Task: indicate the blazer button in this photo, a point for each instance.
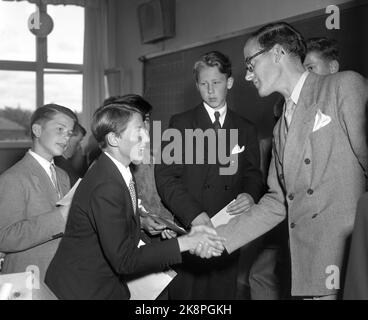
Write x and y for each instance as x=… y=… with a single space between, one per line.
x=292 y=225
x=227 y=187
x=310 y=191
x=291 y=196
x=307 y=161
x=281 y=176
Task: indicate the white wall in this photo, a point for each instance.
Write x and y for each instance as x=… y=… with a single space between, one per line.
x=196 y=21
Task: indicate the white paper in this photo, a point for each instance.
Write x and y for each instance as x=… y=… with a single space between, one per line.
x=67 y=199
x=222 y=217
x=150 y=286
x=16 y=286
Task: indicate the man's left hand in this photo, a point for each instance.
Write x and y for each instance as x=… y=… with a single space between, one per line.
x=243 y=202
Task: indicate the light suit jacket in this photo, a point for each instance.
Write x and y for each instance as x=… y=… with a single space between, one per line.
x=29 y=225
x=315 y=180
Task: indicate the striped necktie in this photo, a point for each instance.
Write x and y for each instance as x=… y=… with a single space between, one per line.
x=132 y=194
x=54 y=180
x=289 y=111
x=216 y=123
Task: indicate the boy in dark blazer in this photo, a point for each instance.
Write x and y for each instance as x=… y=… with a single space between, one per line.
x=99 y=249
x=30 y=223
x=196 y=192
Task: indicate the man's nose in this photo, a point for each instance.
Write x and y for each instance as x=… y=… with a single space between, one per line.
x=249 y=76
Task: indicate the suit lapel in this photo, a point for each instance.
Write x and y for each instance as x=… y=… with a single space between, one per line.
x=112 y=172
x=229 y=123
x=202 y=121
x=41 y=178
x=300 y=129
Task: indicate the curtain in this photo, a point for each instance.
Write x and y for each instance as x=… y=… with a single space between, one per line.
x=99 y=56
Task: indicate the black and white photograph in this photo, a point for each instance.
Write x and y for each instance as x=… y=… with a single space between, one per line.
x=183 y=155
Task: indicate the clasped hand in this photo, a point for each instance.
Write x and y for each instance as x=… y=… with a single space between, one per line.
x=207 y=243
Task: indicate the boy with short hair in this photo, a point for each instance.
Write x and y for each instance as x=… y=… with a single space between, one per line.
x=30 y=223
x=100 y=247
x=322 y=56
x=195 y=192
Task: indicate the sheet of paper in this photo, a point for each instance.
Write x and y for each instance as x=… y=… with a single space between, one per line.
x=222 y=217
x=150 y=286
x=16 y=286
x=67 y=200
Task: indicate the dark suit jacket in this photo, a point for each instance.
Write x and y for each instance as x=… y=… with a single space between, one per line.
x=189 y=189
x=99 y=248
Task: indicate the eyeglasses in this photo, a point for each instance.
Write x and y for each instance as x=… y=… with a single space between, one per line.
x=248 y=61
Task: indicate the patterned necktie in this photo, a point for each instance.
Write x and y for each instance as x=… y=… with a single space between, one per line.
x=54 y=180
x=132 y=194
x=216 y=123
x=289 y=111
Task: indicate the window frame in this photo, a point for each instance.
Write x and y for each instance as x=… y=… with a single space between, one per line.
x=41 y=67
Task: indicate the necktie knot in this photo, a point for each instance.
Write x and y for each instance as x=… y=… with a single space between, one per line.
x=217 y=124
x=54 y=179
x=289 y=110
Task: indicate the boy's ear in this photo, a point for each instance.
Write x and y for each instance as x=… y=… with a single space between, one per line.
x=334 y=66
x=36 y=130
x=111 y=139
x=230 y=82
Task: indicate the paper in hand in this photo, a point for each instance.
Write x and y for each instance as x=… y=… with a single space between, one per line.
x=169 y=224
x=150 y=286
x=67 y=199
x=222 y=217
x=160 y=220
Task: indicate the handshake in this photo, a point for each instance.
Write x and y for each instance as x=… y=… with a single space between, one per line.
x=202 y=241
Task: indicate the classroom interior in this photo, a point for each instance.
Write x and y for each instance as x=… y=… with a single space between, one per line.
x=115 y=58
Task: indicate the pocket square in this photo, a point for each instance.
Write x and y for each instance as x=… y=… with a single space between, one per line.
x=237 y=149
x=321 y=120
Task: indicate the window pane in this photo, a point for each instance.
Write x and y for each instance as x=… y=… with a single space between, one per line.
x=65 y=42
x=17 y=102
x=64 y=89
x=17 y=42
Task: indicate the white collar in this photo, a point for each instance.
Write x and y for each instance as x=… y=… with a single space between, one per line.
x=125 y=171
x=45 y=164
x=298 y=87
x=211 y=112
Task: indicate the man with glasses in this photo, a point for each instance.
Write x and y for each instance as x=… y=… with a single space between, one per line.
x=319 y=156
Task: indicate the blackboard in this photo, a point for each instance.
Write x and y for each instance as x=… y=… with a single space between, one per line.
x=169 y=85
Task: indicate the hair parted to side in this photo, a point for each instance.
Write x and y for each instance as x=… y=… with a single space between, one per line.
x=283 y=34
x=138 y=101
x=113 y=117
x=213 y=59
x=47 y=113
x=78 y=128
x=327 y=48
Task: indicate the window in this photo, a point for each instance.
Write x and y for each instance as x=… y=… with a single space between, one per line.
x=35 y=71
